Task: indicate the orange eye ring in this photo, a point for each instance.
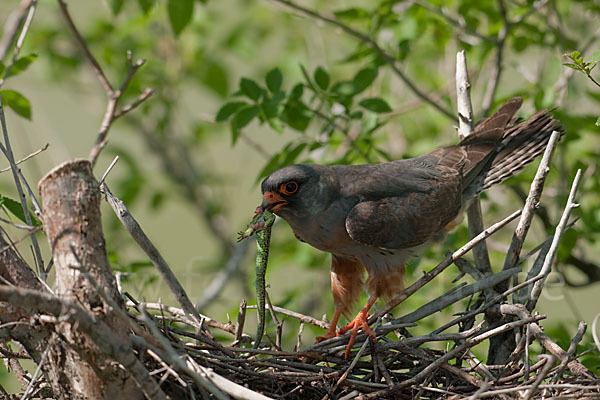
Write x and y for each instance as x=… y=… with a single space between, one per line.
x=288 y=188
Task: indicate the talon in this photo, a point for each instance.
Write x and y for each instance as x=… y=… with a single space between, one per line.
x=359 y=322
x=331 y=333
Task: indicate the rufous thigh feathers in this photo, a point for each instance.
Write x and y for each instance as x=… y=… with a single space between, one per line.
x=346 y=283
x=386 y=283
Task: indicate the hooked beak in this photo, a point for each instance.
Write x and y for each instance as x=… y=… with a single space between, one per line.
x=272 y=202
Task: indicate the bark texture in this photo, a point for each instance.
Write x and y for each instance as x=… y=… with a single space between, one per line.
x=71 y=206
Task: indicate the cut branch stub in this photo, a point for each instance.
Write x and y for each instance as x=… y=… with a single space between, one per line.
x=71 y=206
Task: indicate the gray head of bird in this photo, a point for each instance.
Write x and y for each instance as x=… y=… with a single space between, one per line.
x=299 y=191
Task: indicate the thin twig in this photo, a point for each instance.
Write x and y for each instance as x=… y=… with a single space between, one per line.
x=560 y=228
x=35 y=153
x=465 y=128
x=8 y=153
x=531 y=203
x=136 y=232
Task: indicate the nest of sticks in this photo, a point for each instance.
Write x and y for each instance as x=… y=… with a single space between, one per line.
x=396 y=365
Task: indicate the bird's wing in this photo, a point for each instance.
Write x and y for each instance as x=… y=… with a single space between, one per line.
x=408 y=217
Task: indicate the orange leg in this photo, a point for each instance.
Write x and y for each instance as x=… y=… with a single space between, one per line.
x=332 y=331
x=360 y=321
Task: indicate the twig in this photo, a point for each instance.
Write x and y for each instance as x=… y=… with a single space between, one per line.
x=372 y=44
x=113 y=95
x=8 y=153
x=595 y=331
x=171 y=356
x=239 y=326
x=136 y=232
x=453 y=296
x=520 y=311
x=560 y=228
x=465 y=127
x=350 y=368
x=11 y=27
x=540 y=377
x=181 y=313
x=571 y=351
x=531 y=203
x=35 y=153
x=19 y=44
x=110 y=167
x=34 y=379
x=304 y=318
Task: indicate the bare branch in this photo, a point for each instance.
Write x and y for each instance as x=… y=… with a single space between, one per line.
x=136 y=232
x=560 y=229
x=8 y=153
x=531 y=203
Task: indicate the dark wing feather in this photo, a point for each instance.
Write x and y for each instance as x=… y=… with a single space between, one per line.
x=409 y=218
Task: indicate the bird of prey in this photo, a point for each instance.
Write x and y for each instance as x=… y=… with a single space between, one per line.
x=373 y=217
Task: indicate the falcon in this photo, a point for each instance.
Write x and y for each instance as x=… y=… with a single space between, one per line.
x=373 y=217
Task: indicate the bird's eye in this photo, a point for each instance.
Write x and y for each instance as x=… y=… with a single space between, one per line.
x=288 y=188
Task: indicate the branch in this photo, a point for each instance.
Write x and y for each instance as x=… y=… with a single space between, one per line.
x=8 y=153
x=531 y=204
x=113 y=95
x=560 y=228
x=465 y=113
x=372 y=44
x=136 y=232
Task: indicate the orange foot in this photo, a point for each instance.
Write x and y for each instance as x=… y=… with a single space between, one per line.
x=360 y=321
x=332 y=331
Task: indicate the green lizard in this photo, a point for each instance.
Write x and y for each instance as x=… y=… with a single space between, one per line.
x=261 y=225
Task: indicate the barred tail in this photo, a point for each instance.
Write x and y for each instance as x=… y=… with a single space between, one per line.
x=521 y=145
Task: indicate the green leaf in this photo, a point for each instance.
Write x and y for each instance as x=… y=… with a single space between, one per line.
x=352 y=13
x=116 y=6
x=598 y=122
x=297 y=115
x=180 y=14
x=364 y=78
x=146 y=5
x=228 y=109
x=2 y=68
x=17 y=102
x=250 y=89
x=241 y=119
x=14 y=207
x=21 y=64
x=375 y=104
x=322 y=78
x=575 y=67
x=296 y=92
x=273 y=80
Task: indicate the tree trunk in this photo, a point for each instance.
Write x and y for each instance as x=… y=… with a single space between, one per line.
x=71 y=206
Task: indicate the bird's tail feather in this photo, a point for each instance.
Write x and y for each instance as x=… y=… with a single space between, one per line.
x=521 y=145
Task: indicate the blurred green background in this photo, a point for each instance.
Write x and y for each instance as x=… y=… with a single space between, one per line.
x=310 y=92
